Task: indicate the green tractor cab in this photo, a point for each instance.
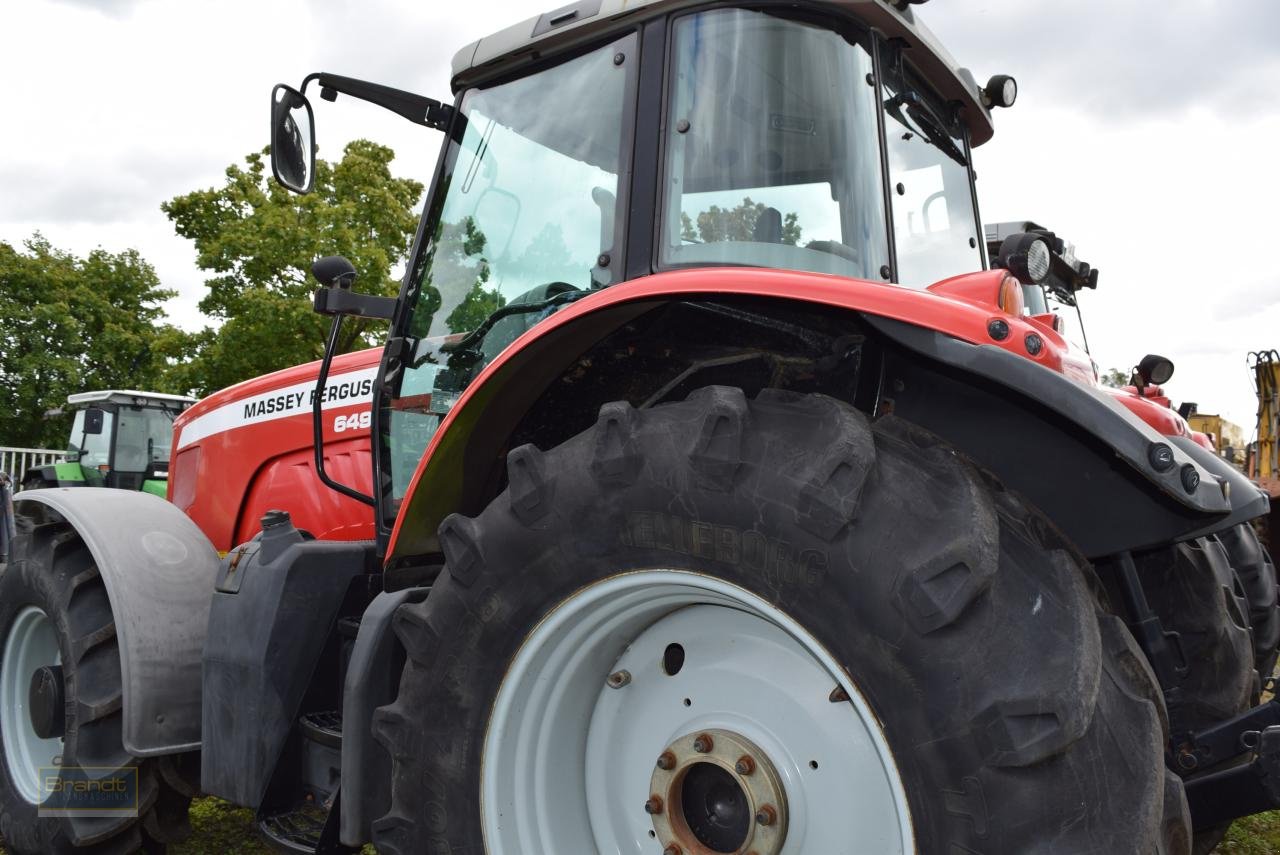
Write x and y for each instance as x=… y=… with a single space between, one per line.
x=118 y=439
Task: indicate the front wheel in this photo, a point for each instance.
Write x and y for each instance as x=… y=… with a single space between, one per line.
x=727 y=626
x=61 y=715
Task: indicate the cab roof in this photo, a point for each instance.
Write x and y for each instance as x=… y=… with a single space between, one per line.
x=588 y=20
x=130 y=397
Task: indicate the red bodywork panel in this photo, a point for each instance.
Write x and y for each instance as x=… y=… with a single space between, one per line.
x=952 y=307
x=1155 y=409
x=248 y=449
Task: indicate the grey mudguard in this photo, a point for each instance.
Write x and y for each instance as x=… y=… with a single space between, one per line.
x=1077 y=453
x=159 y=570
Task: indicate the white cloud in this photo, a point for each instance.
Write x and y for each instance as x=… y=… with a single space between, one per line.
x=1143 y=134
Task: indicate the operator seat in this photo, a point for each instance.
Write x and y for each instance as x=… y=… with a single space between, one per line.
x=768 y=228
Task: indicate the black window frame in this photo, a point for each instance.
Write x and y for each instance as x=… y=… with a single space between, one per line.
x=852 y=29
x=399 y=343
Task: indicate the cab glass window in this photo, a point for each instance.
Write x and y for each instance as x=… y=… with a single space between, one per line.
x=772 y=150
x=935 y=227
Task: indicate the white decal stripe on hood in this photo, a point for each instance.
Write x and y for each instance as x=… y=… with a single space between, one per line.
x=341 y=390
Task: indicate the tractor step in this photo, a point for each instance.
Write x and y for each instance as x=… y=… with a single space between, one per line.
x=323 y=727
x=299 y=830
x=1254 y=787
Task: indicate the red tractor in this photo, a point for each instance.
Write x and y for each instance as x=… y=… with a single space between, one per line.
x=715 y=491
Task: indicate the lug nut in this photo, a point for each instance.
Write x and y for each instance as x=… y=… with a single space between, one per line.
x=766 y=815
x=702 y=743
x=673 y=850
x=653 y=805
x=618 y=679
x=666 y=761
x=745 y=765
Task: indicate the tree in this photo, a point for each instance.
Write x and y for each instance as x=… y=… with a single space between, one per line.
x=70 y=324
x=259 y=240
x=729 y=224
x=1115 y=378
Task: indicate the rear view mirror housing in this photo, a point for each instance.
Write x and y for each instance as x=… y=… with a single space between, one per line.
x=293 y=152
x=93 y=421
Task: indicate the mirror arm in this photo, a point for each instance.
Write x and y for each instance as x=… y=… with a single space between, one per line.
x=317 y=417
x=340 y=301
x=416 y=108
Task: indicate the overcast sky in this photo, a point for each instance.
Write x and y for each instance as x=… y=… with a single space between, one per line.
x=1145 y=133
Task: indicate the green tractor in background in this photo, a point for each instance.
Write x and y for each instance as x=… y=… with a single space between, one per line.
x=118 y=439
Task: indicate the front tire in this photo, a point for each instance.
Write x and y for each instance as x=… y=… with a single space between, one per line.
x=952 y=636
x=54 y=611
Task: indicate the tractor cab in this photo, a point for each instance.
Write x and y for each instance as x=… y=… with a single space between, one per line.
x=605 y=142
x=118 y=439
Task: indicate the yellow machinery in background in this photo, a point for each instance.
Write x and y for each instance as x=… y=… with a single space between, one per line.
x=1264 y=457
x=1229 y=438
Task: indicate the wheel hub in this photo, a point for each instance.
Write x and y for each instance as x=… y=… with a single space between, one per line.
x=45 y=702
x=714 y=791
x=623 y=677
x=31 y=656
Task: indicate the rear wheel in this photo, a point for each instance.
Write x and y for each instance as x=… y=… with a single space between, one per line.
x=722 y=626
x=1258 y=575
x=60 y=706
x=1192 y=587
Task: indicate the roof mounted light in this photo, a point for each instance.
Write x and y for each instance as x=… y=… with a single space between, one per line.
x=1001 y=91
x=1026 y=256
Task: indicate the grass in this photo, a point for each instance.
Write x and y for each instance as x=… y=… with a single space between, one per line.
x=219 y=828
x=1254 y=835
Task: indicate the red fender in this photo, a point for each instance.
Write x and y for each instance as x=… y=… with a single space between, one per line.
x=957 y=307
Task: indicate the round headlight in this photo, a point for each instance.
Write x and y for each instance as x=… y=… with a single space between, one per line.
x=1038 y=260
x=1009 y=92
x=1001 y=91
x=1026 y=256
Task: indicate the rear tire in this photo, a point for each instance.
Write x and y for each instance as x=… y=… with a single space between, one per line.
x=1195 y=592
x=53 y=575
x=1258 y=575
x=1019 y=716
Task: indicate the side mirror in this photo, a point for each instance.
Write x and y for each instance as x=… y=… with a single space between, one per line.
x=93 y=420
x=1152 y=369
x=293 y=154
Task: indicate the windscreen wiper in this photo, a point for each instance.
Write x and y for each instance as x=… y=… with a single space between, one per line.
x=477 y=335
x=927 y=122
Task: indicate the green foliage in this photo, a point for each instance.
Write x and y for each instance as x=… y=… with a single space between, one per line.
x=475 y=308
x=729 y=224
x=70 y=324
x=259 y=241
x=1115 y=378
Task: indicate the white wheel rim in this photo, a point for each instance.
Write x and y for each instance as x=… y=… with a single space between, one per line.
x=32 y=644
x=567 y=759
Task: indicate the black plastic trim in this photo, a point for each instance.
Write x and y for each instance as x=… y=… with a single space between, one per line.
x=1076 y=453
x=1091 y=410
x=647 y=151
x=373 y=676
x=1248 y=501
